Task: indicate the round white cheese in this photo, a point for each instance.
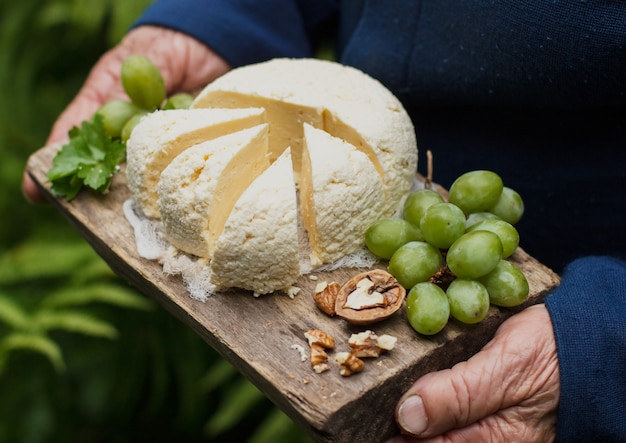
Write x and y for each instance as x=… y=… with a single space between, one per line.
x=224 y=175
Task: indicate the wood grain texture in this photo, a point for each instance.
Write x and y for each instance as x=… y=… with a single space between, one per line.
x=256 y=334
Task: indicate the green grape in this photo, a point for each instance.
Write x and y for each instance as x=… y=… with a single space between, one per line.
x=476 y=191
x=442 y=224
x=385 y=236
x=143 y=82
x=427 y=308
x=179 y=101
x=506 y=284
x=509 y=207
x=130 y=125
x=477 y=217
x=414 y=262
x=417 y=202
x=505 y=231
x=474 y=254
x=469 y=300
x=115 y=114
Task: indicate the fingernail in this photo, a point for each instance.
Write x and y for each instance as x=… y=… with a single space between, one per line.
x=412 y=415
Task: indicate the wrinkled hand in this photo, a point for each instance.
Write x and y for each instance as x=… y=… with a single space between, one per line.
x=185 y=64
x=508 y=392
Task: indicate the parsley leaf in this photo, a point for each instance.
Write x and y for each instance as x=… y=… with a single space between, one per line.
x=89 y=159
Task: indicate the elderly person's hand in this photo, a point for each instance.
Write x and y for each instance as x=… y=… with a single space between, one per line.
x=186 y=65
x=507 y=392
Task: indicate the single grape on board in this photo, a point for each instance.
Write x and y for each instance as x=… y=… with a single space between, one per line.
x=506 y=284
x=181 y=100
x=474 y=254
x=477 y=217
x=505 y=231
x=385 y=236
x=415 y=262
x=509 y=207
x=417 y=202
x=427 y=308
x=469 y=300
x=115 y=114
x=129 y=126
x=143 y=82
x=476 y=191
x=442 y=224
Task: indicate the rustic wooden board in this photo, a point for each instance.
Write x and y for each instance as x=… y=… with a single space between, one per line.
x=256 y=334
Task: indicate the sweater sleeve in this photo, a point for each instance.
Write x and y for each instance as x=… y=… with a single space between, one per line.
x=588 y=312
x=245 y=31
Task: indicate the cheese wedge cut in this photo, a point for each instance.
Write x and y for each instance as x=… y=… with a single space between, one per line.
x=258 y=249
x=162 y=135
x=341 y=100
x=341 y=195
x=199 y=188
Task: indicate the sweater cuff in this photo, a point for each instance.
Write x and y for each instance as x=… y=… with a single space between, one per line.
x=588 y=312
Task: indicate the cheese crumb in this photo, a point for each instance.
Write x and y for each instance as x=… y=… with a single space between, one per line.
x=301 y=350
x=292 y=291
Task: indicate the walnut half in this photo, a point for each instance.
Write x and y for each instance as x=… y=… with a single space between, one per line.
x=369 y=297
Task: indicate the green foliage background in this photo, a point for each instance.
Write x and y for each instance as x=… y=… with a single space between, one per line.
x=83 y=357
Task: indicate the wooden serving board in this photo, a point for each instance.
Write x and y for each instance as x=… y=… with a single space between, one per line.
x=256 y=334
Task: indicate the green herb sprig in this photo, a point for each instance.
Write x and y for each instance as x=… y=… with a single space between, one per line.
x=89 y=159
x=98 y=147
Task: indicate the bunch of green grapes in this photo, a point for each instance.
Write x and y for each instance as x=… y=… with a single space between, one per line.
x=468 y=237
x=144 y=85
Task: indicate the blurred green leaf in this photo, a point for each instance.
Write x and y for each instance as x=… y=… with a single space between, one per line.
x=241 y=399
x=31 y=342
x=73 y=321
x=12 y=314
x=108 y=293
x=92 y=271
x=221 y=372
x=44 y=259
x=277 y=426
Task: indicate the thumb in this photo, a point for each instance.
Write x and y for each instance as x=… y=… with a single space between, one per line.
x=507 y=372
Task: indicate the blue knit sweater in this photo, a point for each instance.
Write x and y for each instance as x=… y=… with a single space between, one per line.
x=533 y=90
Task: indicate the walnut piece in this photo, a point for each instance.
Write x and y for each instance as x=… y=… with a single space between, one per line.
x=368 y=344
x=349 y=363
x=319 y=358
x=319 y=341
x=325 y=296
x=369 y=297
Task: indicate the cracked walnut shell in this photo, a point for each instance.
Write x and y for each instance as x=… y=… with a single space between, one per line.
x=369 y=297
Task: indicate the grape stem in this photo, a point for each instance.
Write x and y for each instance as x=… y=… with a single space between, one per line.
x=429 y=172
x=443 y=277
